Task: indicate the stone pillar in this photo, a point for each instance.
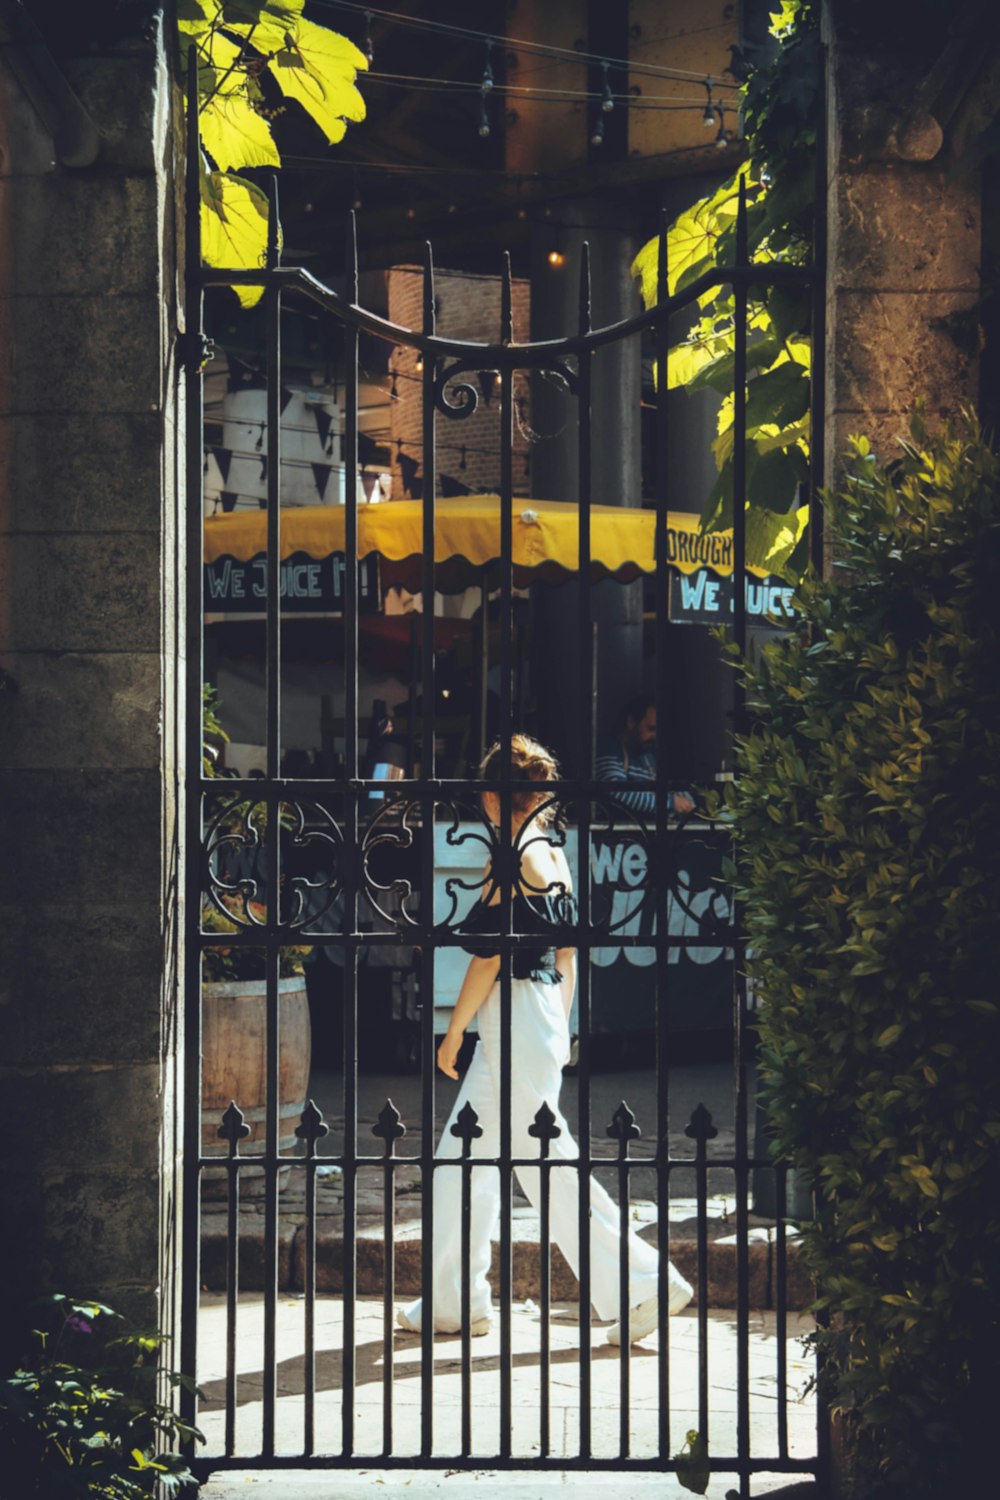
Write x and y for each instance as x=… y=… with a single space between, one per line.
x=90 y=532
x=904 y=251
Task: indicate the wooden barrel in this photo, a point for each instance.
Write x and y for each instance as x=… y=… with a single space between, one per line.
x=233 y=1067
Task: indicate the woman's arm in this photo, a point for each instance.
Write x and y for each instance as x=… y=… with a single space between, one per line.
x=480 y=977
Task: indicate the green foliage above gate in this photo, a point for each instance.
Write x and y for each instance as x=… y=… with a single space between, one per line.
x=779 y=104
x=253 y=55
x=867 y=819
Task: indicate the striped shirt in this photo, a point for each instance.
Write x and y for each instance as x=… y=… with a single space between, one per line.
x=635 y=769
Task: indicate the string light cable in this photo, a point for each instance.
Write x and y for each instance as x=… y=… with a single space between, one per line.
x=423 y=83
x=509 y=43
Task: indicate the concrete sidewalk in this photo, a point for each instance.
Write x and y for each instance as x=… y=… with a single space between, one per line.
x=643 y=1405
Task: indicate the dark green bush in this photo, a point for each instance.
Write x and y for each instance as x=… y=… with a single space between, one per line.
x=80 y=1418
x=867 y=819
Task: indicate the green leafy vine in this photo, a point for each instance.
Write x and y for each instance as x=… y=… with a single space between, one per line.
x=779 y=102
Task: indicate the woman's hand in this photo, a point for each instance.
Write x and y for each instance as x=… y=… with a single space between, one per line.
x=448 y=1053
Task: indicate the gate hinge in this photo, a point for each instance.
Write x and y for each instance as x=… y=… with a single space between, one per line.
x=194 y=351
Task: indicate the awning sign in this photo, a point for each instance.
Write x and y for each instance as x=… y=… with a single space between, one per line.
x=309 y=585
x=702 y=598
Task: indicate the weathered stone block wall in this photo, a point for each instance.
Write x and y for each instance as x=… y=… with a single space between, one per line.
x=89 y=510
x=904 y=258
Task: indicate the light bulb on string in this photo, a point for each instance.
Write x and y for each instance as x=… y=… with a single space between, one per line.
x=724 y=137
x=607 y=101
x=708 y=118
x=488 y=66
x=597 y=134
x=484 y=119
x=368 y=49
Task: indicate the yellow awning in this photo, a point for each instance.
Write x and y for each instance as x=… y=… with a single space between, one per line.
x=545 y=535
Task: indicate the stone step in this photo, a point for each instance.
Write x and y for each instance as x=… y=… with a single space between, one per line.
x=721 y=1257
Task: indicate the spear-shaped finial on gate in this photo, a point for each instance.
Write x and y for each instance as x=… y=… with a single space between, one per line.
x=623 y=1128
x=312 y=1127
x=661 y=261
x=273 y=225
x=506 y=303
x=351 y=258
x=700 y=1127
x=389 y=1126
x=467 y=1127
x=742 y=242
x=584 y=322
x=234 y=1127
x=545 y=1128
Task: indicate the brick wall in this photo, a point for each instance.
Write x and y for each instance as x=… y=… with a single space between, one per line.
x=468 y=449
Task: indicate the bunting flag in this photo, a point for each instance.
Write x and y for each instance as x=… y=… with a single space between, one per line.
x=324 y=422
x=229 y=499
x=321 y=478
x=223 y=457
x=286 y=396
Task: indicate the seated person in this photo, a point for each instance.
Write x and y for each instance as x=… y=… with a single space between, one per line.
x=630 y=757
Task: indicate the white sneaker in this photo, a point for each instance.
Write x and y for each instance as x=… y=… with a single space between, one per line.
x=477 y=1328
x=645 y=1319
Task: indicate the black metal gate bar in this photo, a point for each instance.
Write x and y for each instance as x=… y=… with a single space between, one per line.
x=585 y=767
x=311 y=1130
x=272 y=885
x=780 y=1299
x=506 y=864
x=623 y=1133
x=194 y=351
x=817 y=367
x=661 y=869
x=544 y=1253
x=428 y=916
x=739 y=965
x=466 y=1170
x=351 y=872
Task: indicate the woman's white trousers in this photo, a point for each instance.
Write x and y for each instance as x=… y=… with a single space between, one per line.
x=540 y=1043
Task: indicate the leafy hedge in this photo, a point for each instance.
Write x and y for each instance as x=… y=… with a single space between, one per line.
x=867 y=819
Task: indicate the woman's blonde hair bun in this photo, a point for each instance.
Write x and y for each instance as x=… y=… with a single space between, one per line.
x=527 y=761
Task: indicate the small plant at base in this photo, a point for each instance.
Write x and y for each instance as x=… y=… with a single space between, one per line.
x=89 y=1431
x=867 y=822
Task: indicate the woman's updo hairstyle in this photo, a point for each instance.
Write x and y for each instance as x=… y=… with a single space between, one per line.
x=528 y=761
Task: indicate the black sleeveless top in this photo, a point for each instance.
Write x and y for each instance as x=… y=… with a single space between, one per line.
x=533 y=916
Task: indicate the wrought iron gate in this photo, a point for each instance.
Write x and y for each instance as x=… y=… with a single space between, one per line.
x=299 y=861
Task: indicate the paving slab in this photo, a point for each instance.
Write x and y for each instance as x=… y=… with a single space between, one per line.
x=370 y=1484
x=404 y=1361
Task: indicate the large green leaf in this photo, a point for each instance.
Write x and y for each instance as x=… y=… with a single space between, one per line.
x=774 y=477
x=260 y=12
x=780 y=395
x=236 y=136
x=719 y=374
x=691 y=241
x=318 y=68
x=788 y=308
x=232 y=132
x=234 y=227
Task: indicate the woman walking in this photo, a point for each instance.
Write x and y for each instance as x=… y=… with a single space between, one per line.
x=543 y=981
